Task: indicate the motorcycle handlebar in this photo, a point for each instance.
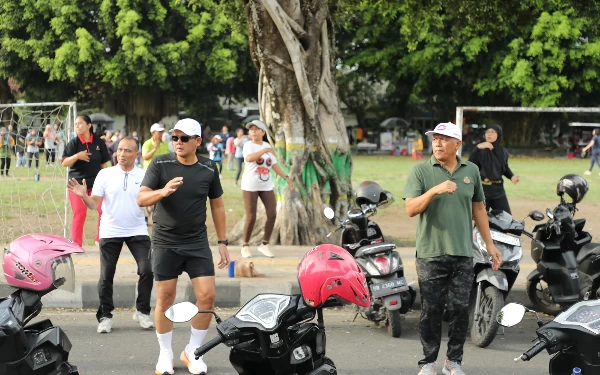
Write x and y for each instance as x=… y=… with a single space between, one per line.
x=208 y=346
x=535 y=350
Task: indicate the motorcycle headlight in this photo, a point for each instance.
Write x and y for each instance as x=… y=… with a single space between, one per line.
x=264 y=309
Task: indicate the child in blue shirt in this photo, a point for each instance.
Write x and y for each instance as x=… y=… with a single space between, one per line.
x=215 y=151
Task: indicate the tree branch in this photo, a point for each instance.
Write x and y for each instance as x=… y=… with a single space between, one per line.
x=280 y=61
x=300 y=32
x=293 y=46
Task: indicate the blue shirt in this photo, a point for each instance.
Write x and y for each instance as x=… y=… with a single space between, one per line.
x=218 y=152
x=596 y=146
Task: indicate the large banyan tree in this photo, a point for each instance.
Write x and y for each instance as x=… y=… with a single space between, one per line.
x=292 y=46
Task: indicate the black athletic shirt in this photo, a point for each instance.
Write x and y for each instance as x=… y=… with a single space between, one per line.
x=86 y=169
x=180 y=218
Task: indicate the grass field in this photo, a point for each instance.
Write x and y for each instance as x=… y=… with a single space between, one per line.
x=28 y=206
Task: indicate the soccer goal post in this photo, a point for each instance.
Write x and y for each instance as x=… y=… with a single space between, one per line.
x=461 y=110
x=33 y=194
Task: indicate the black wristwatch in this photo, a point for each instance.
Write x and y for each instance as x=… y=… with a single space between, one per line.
x=224 y=242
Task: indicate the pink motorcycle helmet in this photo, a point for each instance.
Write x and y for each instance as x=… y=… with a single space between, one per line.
x=39 y=262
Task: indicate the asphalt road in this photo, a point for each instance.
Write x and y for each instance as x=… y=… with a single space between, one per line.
x=356 y=347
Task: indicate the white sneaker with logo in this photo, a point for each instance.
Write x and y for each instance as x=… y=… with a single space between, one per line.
x=264 y=249
x=105 y=325
x=195 y=366
x=246 y=252
x=144 y=320
x=165 y=363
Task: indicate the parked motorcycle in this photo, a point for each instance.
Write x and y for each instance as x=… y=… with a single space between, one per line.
x=390 y=293
x=492 y=287
x=568 y=263
x=35 y=264
x=573 y=337
x=273 y=333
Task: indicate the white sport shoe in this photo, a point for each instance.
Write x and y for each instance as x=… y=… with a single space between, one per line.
x=428 y=369
x=264 y=249
x=144 y=320
x=165 y=363
x=452 y=368
x=105 y=325
x=587 y=173
x=246 y=252
x=195 y=366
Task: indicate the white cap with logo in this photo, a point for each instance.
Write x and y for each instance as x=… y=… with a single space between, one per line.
x=259 y=124
x=157 y=128
x=188 y=126
x=448 y=129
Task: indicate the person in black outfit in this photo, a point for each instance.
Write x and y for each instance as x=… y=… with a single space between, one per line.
x=492 y=160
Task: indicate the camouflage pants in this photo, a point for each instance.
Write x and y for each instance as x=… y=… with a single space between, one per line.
x=444 y=281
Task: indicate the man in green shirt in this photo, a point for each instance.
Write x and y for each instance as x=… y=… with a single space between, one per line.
x=446 y=194
x=154 y=146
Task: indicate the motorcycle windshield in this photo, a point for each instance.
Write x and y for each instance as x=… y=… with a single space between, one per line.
x=585 y=314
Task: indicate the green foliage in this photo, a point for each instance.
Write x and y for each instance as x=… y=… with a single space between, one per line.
x=176 y=46
x=444 y=53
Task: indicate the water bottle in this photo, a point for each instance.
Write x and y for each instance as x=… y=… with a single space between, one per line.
x=36 y=177
x=576 y=371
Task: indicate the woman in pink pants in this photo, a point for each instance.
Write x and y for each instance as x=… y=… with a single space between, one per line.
x=85 y=155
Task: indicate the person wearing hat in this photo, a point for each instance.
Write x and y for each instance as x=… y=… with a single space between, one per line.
x=445 y=193
x=215 y=151
x=179 y=184
x=257 y=182
x=492 y=160
x=154 y=146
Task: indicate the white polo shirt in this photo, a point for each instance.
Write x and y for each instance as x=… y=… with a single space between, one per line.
x=121 y=216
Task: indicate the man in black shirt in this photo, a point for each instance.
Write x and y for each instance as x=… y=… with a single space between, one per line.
x=179 y=184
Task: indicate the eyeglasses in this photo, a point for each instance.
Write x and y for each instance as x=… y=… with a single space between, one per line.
x=184 y=138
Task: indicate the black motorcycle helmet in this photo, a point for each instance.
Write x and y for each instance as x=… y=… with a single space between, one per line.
x=575 y=186
x=369 y=192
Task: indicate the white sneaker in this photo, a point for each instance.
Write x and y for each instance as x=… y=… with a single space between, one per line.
x=105 y=325
x=264 y=249
x=195 y=366
x=246 y=252
x=587 y=173
x=144 y=320
x=165 y=363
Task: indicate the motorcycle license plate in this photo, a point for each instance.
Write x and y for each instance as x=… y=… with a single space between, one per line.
x=388 y=287
x=505 y=238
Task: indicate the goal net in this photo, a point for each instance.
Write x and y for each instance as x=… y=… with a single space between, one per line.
x=33 y=196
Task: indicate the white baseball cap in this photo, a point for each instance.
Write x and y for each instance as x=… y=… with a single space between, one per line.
x=448 y=129
x=157 y=128
x=259 y=124
x=218 y=137
x=188 y=126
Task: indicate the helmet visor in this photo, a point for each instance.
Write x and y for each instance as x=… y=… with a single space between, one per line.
x=63 y=274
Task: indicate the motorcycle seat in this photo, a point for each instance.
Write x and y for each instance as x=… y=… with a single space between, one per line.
x=374 y=249
x=588 y=250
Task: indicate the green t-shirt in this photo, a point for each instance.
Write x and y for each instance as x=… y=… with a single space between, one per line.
x=445 y=227
x=163 y=148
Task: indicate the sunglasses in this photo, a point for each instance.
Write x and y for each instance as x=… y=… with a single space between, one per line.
x=184 y=138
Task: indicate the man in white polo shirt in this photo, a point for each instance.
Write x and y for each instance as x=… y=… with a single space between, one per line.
x=122 y=221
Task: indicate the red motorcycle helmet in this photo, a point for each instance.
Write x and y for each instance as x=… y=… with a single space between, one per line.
x=328 y=270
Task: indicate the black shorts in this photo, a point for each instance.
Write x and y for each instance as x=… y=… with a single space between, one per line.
x=169 y=263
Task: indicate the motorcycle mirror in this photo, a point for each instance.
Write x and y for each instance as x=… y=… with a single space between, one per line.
x=511 y=315
x=328 y=212
x=536 y=215
x=181 y=312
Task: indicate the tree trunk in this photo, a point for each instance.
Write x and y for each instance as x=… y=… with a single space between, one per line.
x=291 y=43
x=143 y=107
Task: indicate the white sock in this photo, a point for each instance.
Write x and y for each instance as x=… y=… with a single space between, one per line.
x=164 y=340
x=196 y=338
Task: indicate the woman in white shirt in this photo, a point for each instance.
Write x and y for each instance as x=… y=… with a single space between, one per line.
x=257 y=182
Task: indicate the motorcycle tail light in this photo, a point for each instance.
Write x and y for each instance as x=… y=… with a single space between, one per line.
x=383 y=264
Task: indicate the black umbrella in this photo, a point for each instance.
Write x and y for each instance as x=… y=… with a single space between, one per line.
x=101 y=118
